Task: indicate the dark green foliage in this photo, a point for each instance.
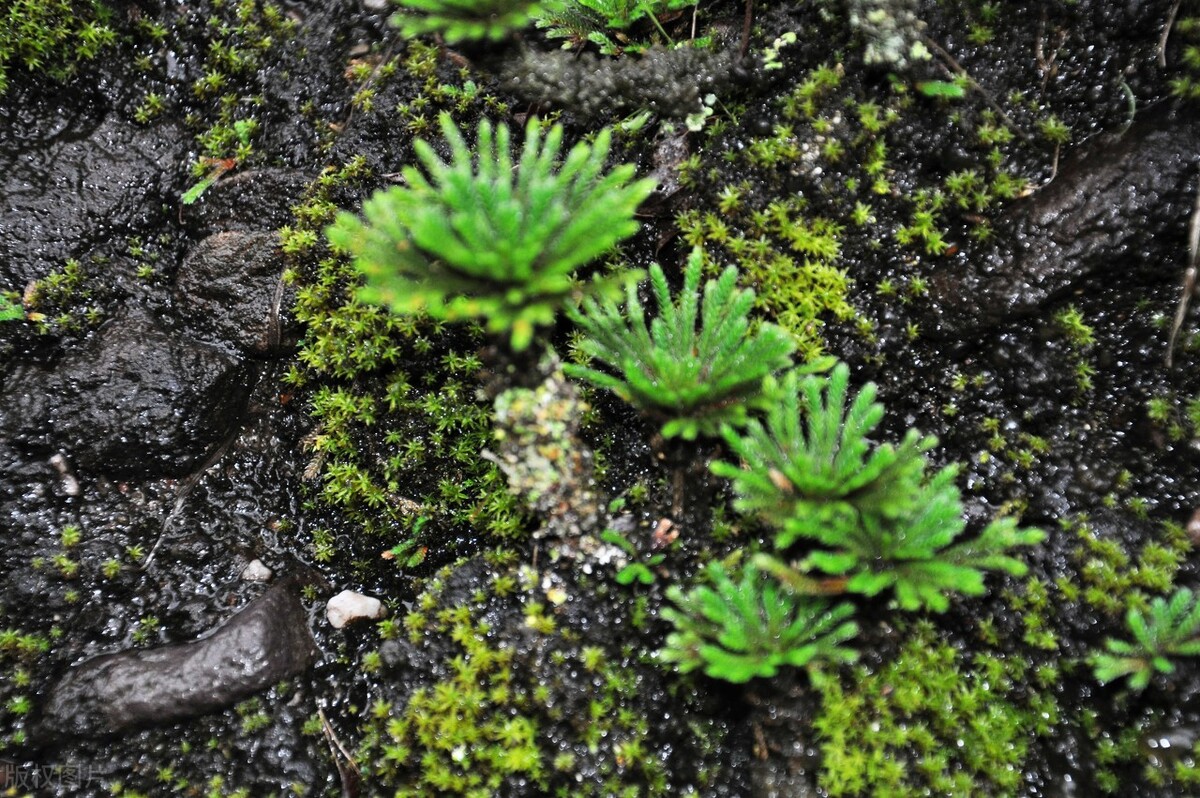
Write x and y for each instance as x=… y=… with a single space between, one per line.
x=478 y=239
x=457 y=20
x=739 y=630
x=593 y=20
x=813 y=463
x=51 y=35
x=932 y=720
x=1172 y=628
x=695 y=376
x=812 y=472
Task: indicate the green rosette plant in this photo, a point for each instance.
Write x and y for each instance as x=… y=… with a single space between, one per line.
x=695 y=376
x=482 y=237
x=878 y=518
x=1170 y=629
x=739 y=630
x=814 y=463
x=460 y=20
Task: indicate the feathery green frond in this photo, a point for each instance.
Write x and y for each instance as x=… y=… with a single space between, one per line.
x=912 y=553
x=881 y=521
x=698 y=364
x=739 y=630
x=593 y=20
x=1172 y=629
x=457 y=20
x=813 y=462
x=477 y=238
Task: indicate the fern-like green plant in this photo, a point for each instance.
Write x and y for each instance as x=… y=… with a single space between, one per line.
x=739 y=630
x=480 y=239
x=813 y=461
x=694 y=376
x=594 y=20
x=1171 y=629
x=883 y=522
x=459 y=20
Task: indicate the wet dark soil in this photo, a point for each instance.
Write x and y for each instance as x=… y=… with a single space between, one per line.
x=144 y=405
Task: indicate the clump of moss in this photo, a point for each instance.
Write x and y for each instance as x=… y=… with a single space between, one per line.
x=1111 y=578
x=52 y=36
x=933 y=721
x=22 y=655
x=1153 y=746
x=396 y=448
x=540 y=451
x=508 y=697
x=1186 y=83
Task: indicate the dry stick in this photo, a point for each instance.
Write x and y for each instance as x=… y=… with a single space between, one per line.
x=185 y=489
x=746 y=28
x=1189 y=276
x=957 y=68
x=346 y=770
x=387 y=56
x=275 y=330
x=1046 y=65
x=1053 y=168
x=1162 y=40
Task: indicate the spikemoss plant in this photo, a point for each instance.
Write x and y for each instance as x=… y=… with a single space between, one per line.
x=458 y=20
x=697 y=364
x=740 y=630
x=476 y=238
x=882 y=522
x=594 y=20
x=1170 y=629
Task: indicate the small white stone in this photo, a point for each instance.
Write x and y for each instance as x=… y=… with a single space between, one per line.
x=255 y=571
x=349 y=606
x=70 y=485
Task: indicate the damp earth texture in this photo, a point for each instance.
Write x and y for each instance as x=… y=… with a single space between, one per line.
x=763 y=399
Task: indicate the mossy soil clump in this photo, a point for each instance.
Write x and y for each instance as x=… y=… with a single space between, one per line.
x=850 y=170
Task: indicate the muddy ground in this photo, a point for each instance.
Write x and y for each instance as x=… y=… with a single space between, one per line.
x=167 y=375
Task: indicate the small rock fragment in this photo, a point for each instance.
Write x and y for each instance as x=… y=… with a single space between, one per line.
x=266 y=641
x=70 y=484
x=1193 y=527
x=349 y=606
x=255 y=571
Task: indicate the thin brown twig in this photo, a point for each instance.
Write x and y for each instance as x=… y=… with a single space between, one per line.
x=746 y=28
x=344 y=763
x=1166 y=34
x=1189 y=277
x=957 y=69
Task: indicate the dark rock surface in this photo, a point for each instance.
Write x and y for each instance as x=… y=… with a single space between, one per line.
x=265 y=642
x=134 y=401
x=229 y=288
x=1120 y=205
x=249 y=201
x=97 y=175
